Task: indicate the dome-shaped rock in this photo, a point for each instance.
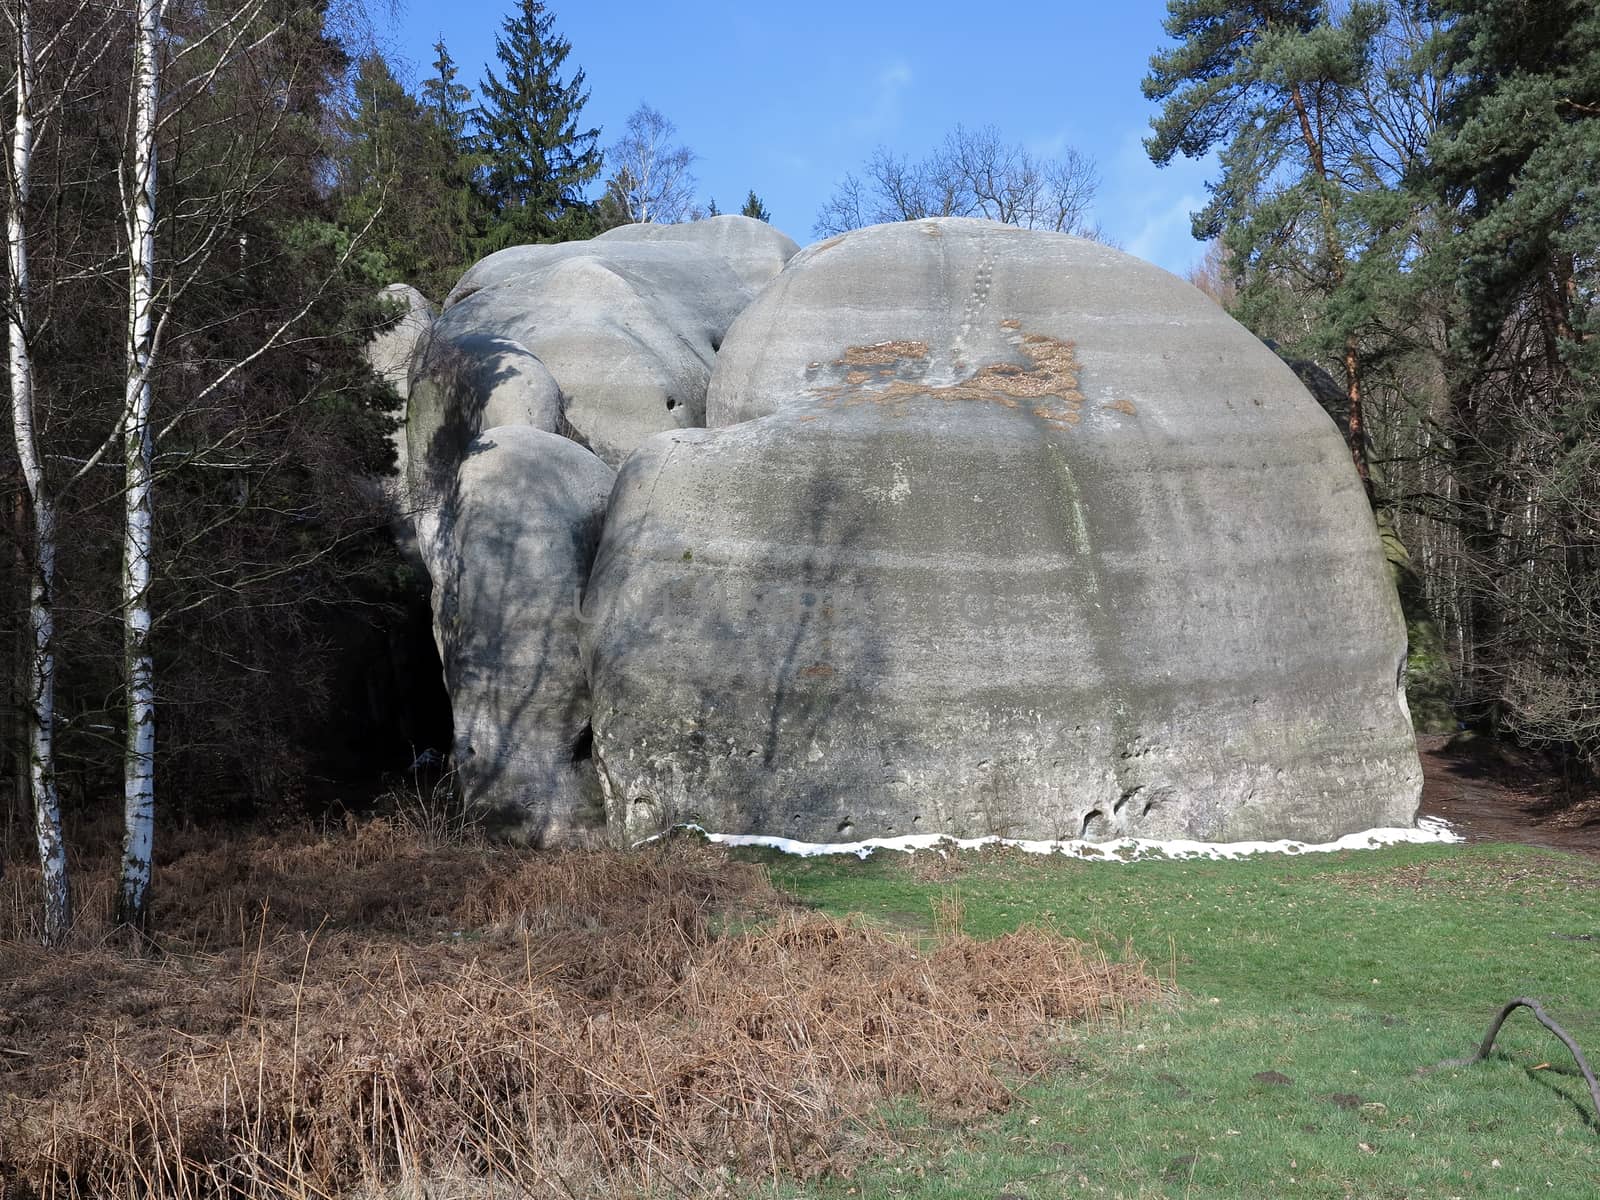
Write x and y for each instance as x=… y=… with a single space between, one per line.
x=754 y=249
x=628 y=326
x=1009 y=533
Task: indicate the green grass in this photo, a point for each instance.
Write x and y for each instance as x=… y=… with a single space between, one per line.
x=1343 y=973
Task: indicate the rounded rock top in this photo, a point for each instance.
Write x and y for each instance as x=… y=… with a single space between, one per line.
x=960 y=304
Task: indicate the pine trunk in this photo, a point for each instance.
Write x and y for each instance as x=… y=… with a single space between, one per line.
x=133 y=898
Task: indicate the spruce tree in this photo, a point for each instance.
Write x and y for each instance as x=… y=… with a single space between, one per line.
x=444 y=97
x=402 y=170
x=538 y=158
x=754 y=208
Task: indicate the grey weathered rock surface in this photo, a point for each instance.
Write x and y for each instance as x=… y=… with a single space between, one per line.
x=628 y=324
x=1430 y=690
x=1011 y=533
x=605 y=342
x=462 y=384
x=516 y=542
x=754 y=249
x=389 y=353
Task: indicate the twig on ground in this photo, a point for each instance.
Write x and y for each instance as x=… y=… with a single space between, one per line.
x=1549 y=1023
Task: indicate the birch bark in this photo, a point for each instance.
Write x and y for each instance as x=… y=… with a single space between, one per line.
x=41 y=605
x=133 y=896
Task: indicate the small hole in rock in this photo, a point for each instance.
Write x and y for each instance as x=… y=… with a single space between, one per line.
x=672 y=403
x=583 y=744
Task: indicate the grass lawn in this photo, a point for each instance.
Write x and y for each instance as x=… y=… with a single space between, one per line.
x=1309 y=992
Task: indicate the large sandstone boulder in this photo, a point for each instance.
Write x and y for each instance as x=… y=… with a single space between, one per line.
x=753 y=249
x=540 y=353
x=627 y=324
x=516 y=542
x=1430 y=688
x=1004 y=532
x=389 y=354
x=462 y=384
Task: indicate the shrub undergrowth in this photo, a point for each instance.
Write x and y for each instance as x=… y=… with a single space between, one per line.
x=376 y=1010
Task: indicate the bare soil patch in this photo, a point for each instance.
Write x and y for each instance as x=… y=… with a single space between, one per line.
x=1497 y=793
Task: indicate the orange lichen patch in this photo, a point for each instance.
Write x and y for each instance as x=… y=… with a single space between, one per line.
x=1011 y=323
x=882 y=354
x=1125 y=407
x=1050 y=379
x=817 y=671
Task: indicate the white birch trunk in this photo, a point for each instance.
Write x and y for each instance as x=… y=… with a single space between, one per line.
x=133 y=898
x=41 y=612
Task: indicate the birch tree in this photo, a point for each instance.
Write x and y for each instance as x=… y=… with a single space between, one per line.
x=139 y=800
x=202 y=232
x=41 y=607
x=650 y=178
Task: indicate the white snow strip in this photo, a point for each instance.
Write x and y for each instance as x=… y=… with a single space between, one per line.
x=1427 y=829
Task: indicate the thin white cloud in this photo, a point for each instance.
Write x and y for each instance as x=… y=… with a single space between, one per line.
x=883 y=111
x=1148 y=208
x=1167 y=236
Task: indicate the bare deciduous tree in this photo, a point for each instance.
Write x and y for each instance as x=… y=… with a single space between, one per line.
x=973 y=173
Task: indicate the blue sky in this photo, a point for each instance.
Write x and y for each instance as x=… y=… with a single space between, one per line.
x=786 y=98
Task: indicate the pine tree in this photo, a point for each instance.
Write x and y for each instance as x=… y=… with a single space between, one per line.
x=1520 y=150
x=538 y=158
x=1270 y=83
x=1515 y=159
x=754 y=208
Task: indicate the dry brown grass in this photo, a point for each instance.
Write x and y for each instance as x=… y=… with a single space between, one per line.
x=362 y=1013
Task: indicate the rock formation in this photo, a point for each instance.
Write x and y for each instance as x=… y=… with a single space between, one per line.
x=627 y=324
x=390 y=353
x=996 y=531
x=541 y=353
x=514 y=548
x=1430 y=691
x=753 y=250
x=991 y=531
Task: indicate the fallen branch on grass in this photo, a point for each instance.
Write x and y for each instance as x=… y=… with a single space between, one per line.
x=1544 y=1019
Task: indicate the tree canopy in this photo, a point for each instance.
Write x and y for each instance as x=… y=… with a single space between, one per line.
x=538 y=157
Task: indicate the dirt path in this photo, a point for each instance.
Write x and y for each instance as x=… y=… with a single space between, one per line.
x=1494 y=795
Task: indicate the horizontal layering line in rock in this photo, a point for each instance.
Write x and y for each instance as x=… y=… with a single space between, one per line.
x=941 y=527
